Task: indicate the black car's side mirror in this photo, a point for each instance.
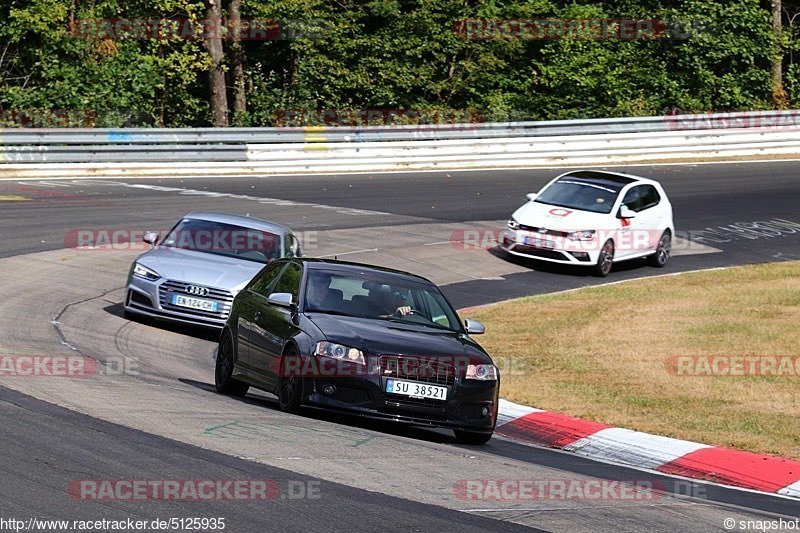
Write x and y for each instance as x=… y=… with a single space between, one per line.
x=474 y=327
x=282 y=299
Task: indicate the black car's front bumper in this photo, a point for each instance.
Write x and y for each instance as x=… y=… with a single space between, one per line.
x=471 y=405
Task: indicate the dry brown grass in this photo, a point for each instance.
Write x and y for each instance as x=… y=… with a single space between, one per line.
x=602 y=354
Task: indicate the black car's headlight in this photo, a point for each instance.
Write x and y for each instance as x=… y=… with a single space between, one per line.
x=339 y=352
x=141 y=271
x=482 y=372
x=512 y=224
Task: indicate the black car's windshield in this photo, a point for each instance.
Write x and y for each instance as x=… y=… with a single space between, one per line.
x=370 y=295
x=224 y=239
x=575 y=193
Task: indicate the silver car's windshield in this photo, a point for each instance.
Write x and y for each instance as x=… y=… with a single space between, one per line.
x=224 y=239
x=578 y=194
x=369 y=295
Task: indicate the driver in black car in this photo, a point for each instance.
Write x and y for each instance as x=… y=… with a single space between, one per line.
x=390 y=302
x=321 y=296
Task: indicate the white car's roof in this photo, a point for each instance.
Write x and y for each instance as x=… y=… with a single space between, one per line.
x=609 y=175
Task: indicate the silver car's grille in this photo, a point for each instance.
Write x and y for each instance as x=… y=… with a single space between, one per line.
x=170 y=288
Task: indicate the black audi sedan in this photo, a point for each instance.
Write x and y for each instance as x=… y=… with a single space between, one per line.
x=371 y=341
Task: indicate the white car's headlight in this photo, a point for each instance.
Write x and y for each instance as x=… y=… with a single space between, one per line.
x=585 y=235
x=339 y=352
x=482 y=372
x=513 y=224
x=142 y=271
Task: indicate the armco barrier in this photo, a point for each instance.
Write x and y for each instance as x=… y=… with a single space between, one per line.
x=37 y=153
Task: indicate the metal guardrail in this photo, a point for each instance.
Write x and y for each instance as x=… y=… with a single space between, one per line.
x=378 y=147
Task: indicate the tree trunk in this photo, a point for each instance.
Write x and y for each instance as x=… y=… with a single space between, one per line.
x=216 y=74
x=237 y=57
x=779 y=99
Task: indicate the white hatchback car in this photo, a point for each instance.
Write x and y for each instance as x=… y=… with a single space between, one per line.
x=593 y=218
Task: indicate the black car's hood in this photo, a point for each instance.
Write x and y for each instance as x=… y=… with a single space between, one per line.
x=387 y=337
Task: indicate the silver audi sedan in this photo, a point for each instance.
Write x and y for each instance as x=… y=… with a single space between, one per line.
x=194 y=272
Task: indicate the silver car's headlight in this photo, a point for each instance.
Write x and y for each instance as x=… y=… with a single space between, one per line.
x=141 y=271
x=482 y=372
x=339 y=352
x=513 y=224
x=585 y=235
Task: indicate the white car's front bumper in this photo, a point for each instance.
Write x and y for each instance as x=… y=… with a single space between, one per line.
x=556 y=249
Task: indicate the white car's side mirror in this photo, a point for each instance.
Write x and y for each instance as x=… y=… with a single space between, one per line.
x=531 y=196
x=624 y=212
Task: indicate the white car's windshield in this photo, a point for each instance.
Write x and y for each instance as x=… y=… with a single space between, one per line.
x=579 y=194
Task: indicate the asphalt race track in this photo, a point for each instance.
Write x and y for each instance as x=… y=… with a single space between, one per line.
x=150 y=411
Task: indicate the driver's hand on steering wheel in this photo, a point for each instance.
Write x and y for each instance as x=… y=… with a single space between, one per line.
x=404 y=310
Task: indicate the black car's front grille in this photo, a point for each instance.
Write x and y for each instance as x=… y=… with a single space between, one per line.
x=424 y=369
x=407 y=401
x=430 y=414
x=471 y=410
x=350 y=395
x=169 y=288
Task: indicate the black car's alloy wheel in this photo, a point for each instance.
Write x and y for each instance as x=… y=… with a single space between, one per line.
x=290 y=385
x=471 y=437
x=223 y=369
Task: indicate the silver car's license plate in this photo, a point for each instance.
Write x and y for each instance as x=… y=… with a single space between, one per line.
x=194 y=303
x=416 y=390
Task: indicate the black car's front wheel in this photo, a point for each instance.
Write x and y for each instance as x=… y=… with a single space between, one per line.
x=471 y=437
x=223 y=368
x=290 y=385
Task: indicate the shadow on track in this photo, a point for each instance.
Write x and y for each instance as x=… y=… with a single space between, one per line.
x=200 y=332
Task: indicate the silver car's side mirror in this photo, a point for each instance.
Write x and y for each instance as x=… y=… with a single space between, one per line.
x=282 y=299
x=532 y=196
x=624 y=212
x=151 y=238
x=474 y=327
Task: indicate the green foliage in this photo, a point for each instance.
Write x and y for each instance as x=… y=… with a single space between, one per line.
x=355 y=55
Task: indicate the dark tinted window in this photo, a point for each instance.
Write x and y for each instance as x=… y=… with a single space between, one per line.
x=632 y=199
x=219 y=238
x=650 y=196
x=575 y=193
x=266 y=279
x=290 y=281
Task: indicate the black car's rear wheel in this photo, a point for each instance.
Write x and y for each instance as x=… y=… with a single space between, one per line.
x=290 y=385
x=471 y=437
x=223 y=368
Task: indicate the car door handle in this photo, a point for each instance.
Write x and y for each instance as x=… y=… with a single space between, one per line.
x=257 y=315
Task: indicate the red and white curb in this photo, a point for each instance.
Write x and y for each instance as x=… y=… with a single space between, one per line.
x=641 y=450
